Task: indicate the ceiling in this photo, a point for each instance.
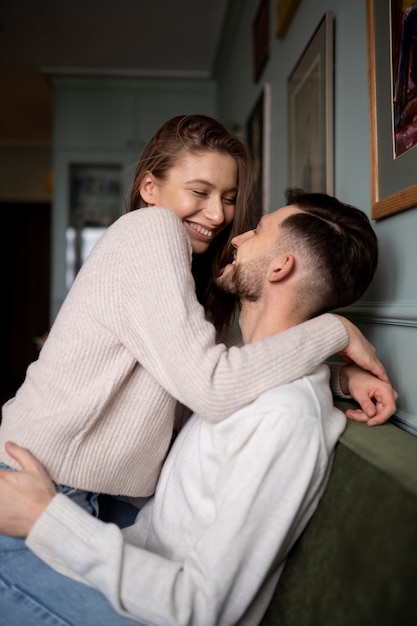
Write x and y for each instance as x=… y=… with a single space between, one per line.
x=165 y=37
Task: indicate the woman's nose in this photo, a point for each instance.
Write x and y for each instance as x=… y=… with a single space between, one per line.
x=214 y=211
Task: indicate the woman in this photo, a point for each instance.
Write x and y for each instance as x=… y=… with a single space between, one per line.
x=98 y=407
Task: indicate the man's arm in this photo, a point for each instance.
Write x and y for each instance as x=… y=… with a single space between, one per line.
x=376 y=398
x=24 y=494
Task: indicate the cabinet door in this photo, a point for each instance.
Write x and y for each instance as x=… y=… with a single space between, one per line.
x=94 y=120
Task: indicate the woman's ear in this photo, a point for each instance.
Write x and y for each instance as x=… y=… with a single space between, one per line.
x=148 y=189
x=281 y=267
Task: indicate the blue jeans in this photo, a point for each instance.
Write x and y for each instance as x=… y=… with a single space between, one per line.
x=33 y=594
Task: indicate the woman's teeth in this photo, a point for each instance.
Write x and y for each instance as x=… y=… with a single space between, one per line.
x=203 y=231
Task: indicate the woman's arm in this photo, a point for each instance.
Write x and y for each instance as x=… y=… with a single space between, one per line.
x=152 y=307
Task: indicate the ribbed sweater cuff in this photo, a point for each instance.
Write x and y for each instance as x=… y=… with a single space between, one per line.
x=335 y=368
x=335 y=330
x=59 y=531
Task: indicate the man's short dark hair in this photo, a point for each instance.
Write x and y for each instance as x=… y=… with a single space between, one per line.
x=340 y=240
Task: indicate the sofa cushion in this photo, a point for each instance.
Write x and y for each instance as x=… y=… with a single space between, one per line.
x=356 y=562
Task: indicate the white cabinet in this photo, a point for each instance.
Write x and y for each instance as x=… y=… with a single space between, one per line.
x=95 y=120
x=157 y=106
x=120 y=113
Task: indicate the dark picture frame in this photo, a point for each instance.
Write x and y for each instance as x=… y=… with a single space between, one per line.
x=310 y=91
x=95 y=202
x=258 y=133
x=260 y=36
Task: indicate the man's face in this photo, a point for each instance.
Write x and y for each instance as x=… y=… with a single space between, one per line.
x=246 y=276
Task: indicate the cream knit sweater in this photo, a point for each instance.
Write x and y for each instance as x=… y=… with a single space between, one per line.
x=97 y=408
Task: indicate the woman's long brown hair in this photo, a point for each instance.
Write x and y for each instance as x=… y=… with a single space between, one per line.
x=197 y=134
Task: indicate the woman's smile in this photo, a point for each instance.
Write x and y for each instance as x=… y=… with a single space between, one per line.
x=200 y=231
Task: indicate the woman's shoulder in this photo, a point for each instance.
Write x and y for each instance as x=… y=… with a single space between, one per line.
x=150 y=215
x=145 y=229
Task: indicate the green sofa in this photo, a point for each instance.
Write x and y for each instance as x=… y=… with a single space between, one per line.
x=356 y=562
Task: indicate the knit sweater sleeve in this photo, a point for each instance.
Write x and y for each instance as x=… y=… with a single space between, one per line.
x=148 y=301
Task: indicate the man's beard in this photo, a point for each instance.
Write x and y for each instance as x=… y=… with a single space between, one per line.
x=244 y=281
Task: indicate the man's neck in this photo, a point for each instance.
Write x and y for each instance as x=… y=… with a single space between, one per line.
x=258 y=320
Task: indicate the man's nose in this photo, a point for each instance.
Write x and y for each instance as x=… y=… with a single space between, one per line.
x=236 y=241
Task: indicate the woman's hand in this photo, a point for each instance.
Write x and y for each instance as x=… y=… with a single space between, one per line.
x=361 y=351
x=375 y=397
x=24 y=494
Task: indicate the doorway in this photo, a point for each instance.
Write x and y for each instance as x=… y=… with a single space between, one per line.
x=26 y=266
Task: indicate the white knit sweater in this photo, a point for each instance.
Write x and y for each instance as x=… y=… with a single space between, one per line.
x=232 y=499
x=97 y=407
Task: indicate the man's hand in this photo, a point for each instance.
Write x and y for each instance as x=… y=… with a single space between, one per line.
x=361 y=352
x=24 y=494
x=375 y=397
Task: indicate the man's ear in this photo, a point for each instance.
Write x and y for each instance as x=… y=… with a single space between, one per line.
x=148 y=189
x=281 y=267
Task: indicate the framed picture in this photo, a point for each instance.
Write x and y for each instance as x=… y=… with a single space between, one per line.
x=95 y=201
x=310 y=114
x=392 y=92
x=258 y=133
x=284 y=12
x=260 y=35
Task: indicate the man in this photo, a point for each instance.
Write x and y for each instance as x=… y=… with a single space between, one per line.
x=233 y=497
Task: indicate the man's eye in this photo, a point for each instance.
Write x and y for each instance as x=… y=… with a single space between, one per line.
x=198 y=192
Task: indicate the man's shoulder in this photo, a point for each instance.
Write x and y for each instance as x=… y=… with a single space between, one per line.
x=300 y=391
x=305 y=398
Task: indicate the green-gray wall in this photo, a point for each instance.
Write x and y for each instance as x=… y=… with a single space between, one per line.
x=388 y=311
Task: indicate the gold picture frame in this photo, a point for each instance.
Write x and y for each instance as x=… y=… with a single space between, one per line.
x=284 y=12
x=393 y=180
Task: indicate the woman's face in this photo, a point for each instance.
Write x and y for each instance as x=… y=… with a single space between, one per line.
x=201 y=190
